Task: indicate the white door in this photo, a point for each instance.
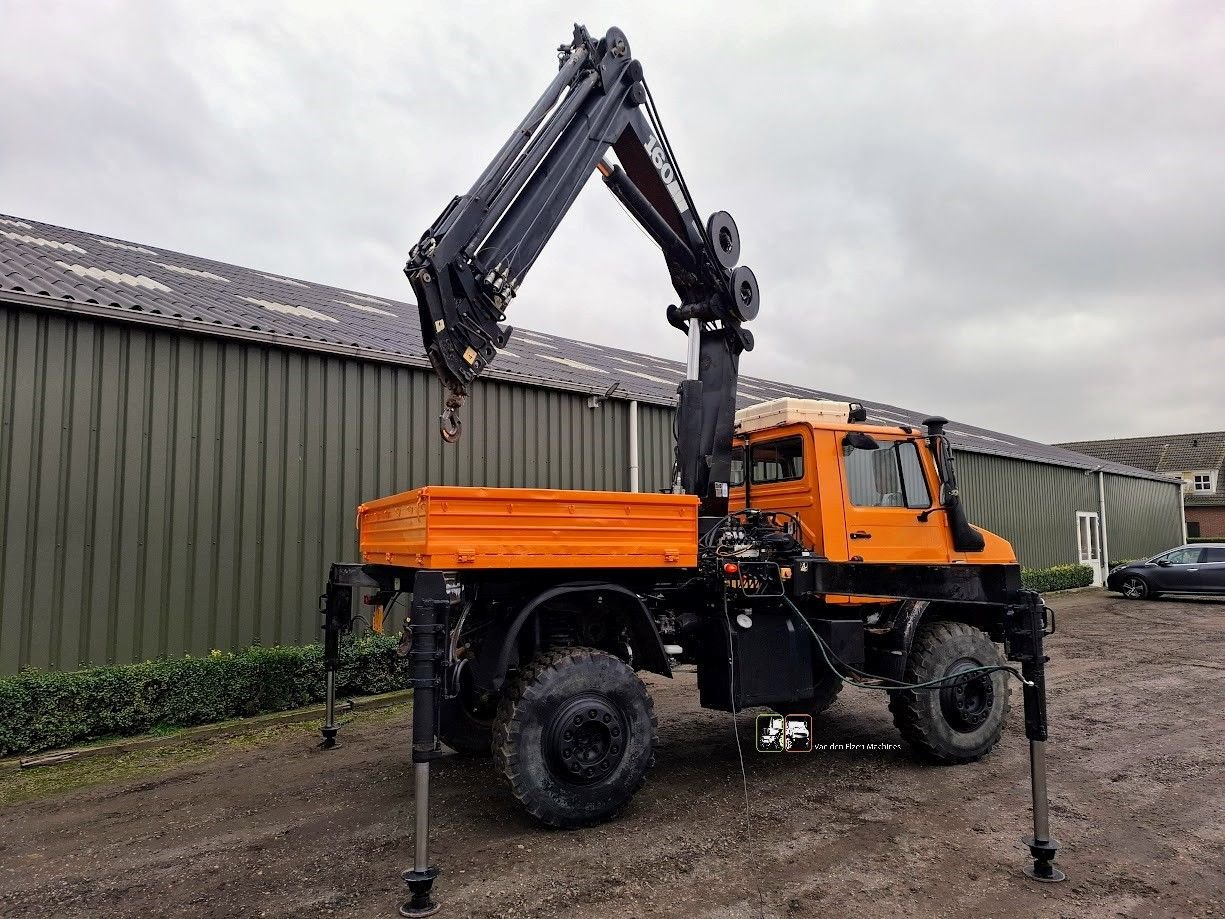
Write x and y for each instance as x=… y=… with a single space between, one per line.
x=1088 y=541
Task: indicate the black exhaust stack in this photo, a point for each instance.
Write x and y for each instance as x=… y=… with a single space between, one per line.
x=965 y=537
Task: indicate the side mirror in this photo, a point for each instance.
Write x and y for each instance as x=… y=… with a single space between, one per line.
x=858 y=440
x=1164 y=562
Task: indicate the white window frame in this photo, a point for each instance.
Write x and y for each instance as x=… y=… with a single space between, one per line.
x=1200 y=481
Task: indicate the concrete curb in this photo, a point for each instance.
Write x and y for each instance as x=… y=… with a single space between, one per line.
x=207 y=731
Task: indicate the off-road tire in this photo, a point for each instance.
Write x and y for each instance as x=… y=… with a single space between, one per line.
x=939 y=724
x=530 y=746
x=465 y=725
x=1140 y=590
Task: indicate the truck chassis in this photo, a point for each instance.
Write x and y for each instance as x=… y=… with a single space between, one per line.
x=757 y=628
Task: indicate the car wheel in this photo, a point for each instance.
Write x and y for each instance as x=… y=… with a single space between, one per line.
x=1134 y=588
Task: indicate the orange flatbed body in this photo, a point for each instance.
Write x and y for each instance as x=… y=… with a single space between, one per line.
x=450 y=527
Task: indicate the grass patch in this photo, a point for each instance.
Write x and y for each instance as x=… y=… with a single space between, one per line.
x=22 y=785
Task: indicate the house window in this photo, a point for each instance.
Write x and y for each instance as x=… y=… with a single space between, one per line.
x=1192 y=528
x=1201 y=481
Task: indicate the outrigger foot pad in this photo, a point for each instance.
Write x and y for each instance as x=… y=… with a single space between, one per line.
x=419 y=884
x=1043 y=868
x=329 y=738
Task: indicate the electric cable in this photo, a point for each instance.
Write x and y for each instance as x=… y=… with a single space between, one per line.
x=827 y=652
x=744 y=775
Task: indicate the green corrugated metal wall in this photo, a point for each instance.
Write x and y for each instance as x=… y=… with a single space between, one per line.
x=656 y=447
x=166 y=493
x=1142 y=517
x=1034 y=506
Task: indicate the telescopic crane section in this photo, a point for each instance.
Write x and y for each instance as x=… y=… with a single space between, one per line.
x=468 y=265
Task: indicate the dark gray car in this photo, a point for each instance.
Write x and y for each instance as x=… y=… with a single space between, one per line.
x=1193 y=569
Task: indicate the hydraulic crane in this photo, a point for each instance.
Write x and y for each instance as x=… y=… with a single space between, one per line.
x=801 y=548
x=469 y=264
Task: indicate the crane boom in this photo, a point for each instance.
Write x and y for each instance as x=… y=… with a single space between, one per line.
x=469 y=264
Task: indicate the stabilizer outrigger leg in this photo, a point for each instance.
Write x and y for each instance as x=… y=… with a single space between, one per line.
x=427 y=629
x=1028 y=624
x=336 y=607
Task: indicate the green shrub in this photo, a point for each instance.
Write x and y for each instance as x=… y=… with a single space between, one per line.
x=1191 y=539
x=1060 y=577
x=43 y=709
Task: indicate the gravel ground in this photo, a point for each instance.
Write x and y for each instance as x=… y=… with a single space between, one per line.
x=272 y=827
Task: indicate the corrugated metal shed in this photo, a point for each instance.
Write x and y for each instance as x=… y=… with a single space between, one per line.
x=1034 y=505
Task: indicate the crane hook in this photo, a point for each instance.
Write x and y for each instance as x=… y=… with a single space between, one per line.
x=449 y=424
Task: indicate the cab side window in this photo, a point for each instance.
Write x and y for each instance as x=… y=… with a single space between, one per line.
x=1213 y=554
x=891 y=476
x=776 y=460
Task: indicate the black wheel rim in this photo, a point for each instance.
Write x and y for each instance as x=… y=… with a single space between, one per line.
x=586 y=739
x=1133 y=588
x=967 y=702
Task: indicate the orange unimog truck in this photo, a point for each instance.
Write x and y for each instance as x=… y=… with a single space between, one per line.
x=799 y=550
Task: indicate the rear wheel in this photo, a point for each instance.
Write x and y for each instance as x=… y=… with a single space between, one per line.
x=956 y=723
x=1135 y=588
x=574 y=736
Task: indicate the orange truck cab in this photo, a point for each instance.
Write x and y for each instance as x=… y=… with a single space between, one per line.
x=862 y=493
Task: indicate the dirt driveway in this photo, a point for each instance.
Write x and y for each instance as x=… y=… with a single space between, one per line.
x=272 y=827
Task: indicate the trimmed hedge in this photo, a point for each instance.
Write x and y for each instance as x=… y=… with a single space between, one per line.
x=1060 y=577
x=44 y=709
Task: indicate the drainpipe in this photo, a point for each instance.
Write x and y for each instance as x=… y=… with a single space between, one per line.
x=1101 y=513
x=633 y=445
x=1182 y=502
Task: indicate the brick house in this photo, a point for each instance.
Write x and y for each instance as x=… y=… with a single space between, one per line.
x=1198 y=458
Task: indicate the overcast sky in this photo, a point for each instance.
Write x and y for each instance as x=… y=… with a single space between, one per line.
x=1013 y=215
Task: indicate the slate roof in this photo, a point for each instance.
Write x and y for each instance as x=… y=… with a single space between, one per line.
x=49 y=267
x=1169 y=454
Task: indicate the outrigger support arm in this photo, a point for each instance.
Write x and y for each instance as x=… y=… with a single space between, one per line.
x=1026 y=625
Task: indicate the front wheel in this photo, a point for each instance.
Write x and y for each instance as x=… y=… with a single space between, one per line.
x=574 y=736
x=957 y=723
x=1135 y=588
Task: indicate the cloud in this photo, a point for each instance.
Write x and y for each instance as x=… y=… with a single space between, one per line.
x=1011 y=216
